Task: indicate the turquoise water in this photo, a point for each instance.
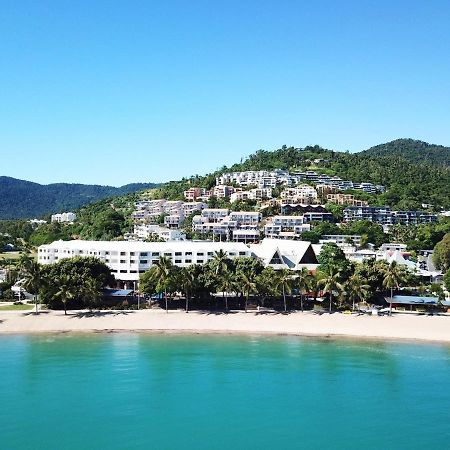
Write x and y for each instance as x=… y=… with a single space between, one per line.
x=136 y=391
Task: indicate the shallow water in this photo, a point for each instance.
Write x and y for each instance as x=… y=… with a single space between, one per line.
x=218 y=392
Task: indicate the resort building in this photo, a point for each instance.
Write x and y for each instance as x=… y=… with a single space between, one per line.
x=303 y=194
x=342 y=239
x=145 y=231
x=193 y=193
x=384 y=216
x=345 y=199
x=128 y=260
x=252 y=194
x=285 y=227
x=66 y=217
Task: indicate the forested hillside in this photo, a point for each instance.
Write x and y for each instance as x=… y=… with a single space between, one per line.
x=409 y=184
x=24 y=199
x=414 y=151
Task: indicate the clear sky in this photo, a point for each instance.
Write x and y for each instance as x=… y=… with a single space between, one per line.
x=112 y=92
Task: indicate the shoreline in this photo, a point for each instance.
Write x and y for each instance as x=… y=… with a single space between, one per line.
x=421 y=328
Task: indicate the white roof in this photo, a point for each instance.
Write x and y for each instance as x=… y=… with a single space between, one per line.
x=290 y=252
x=147 y=246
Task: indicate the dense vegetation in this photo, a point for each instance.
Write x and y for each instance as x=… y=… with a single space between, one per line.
x=414 y=151
x=24 y=199
x=410 y=181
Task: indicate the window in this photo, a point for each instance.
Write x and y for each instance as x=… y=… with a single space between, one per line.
x=133 y=271
x=210 y=253
x=199 y=261
x=144 y=261
x=123 y=271
x=167 y=254
x=131 y=253
x=241 y=253
x=177 y=253
x=155 y=254
x=154 y=261
x=122 y=261
x=144 y=254
x=106 y=253
x=188 y=261
x=142 y=271
x=122 y=253
x=178 y=261
x=188 y=253
x=200 y=254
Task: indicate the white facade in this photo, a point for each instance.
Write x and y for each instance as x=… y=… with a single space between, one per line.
x=128 y=260
x=66 y=217
x=144 y=231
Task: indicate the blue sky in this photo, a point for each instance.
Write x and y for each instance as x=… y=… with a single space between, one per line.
x=112 y=92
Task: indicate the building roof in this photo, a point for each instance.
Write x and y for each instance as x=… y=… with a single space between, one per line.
x=147 y=246
x=117 y=292
x=290 y=254
x=412 y=300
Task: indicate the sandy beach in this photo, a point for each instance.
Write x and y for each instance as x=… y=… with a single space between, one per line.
x=411 y=327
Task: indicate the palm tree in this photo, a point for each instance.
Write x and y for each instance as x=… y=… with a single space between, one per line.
x=331 y=283
x=226 y=284
x=188 y=277
x=356 y=288
x=33 y=280
x=91 y=291
x=220 y=262
x=163 y=274
x=284 y=280
x=248 y=286
x=393 y=277
x=303 y=283
x=66 y=289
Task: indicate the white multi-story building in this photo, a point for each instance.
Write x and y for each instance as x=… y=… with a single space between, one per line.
x=303 y=194
x=127 y=260
x=144 y=231
x=252 y=194
x=286 y=227
x=66 y=217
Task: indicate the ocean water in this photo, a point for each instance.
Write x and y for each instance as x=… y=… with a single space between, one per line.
x=141 y=391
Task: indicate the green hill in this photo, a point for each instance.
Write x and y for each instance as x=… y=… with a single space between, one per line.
x=412 y=150
x=21 y=199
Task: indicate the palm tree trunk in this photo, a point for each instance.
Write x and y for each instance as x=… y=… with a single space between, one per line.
x=390 y=304
x=65 y=308
x=301 y=302
x=187 y=303
x=246 y=301
x=284 y=300
x=35 y=302
x=353 y=306
x=331 y=300
x=165 y=298
x=225 y=300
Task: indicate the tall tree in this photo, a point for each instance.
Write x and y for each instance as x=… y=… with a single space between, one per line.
x=356 y=289
x=33 y=280
x=303 y=283
x=284 y=283
x=163 y=274
x=394 y=276
x=331 y=284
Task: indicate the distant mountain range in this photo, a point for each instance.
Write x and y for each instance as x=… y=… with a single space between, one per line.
x=21 y=199
x=412 y=150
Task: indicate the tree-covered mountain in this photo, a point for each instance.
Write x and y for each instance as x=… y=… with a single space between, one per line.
x=412 y=150
x=409 y=182
x=24 y=199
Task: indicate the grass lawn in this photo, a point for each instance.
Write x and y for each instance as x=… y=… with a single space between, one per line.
x=16 y=307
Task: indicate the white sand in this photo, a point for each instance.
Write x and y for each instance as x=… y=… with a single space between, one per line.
x=402 y=326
